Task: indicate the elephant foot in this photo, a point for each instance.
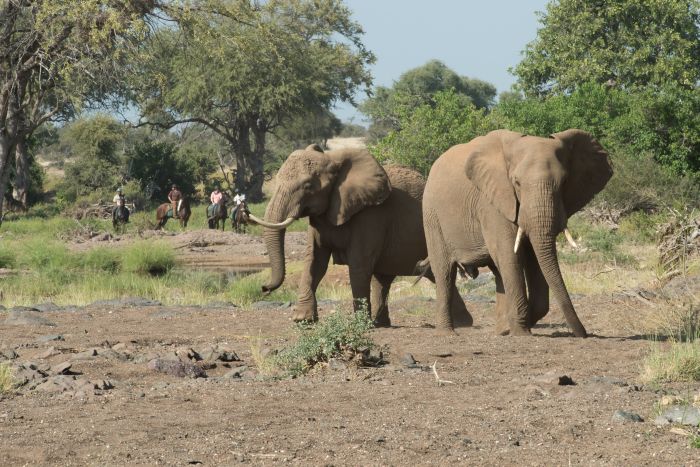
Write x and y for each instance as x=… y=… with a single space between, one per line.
x=520 y=331
x=463 y=319
x=304 y=314
x=382 y=322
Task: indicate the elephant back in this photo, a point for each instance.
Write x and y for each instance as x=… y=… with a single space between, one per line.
x=406 y=179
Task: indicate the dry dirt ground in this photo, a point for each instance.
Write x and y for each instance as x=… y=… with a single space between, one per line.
x=94 y=395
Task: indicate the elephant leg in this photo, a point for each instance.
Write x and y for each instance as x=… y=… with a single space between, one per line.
x=537 y=288
x=460 y=315
x=381 y=284
x=315 y=267
x=516 y=300
x=360 y=277
x=502 y=327
x=444 y=270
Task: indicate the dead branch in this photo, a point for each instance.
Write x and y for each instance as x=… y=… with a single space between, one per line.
x=437 y=377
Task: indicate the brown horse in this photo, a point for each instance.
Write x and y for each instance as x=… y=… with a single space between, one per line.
x=183 y=213
x=219 y=216
x=239 y=217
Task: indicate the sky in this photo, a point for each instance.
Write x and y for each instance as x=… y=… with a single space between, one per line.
x=475 y=38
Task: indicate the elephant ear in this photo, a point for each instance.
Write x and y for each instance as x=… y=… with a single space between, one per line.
x=589 y=169
x=313 y=147
x=361 y=182
x=487 y=169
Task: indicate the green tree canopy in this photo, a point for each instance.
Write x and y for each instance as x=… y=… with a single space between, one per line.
x=624 y=43
x=418 y=87
x=245 y=68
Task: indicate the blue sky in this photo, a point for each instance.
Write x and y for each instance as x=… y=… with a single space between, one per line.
x=476 y=38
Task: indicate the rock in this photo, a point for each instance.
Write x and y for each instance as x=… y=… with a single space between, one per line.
x=408 y=360
x=553 y=378
x=623 y=417
x=27 y=318
x=102 y=237
x=683 y=414
x=124 y=302
x=176 y=368
x=220 y=304
x=48 y=306
x=609 y=380
x=62 y=368
x=48 y=353
x=236 y=372
x=49 y=338
x=337 y=364
x=86 y=355
x=8 y=354
x=58 y=384
x=188 y=354
x=265 y=304
x=28 y=373
x=670 y=400
x=23 y=308
x=229 y=356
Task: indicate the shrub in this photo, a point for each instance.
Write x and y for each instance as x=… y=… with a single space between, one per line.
x=7 y=257
x=102 y=259
x=339 y=334
x=154 y=258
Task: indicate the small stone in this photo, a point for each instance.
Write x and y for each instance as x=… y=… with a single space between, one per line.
x=48 y=353
x=86 y=355
x=8 y=354
x=337 y=364
x=408 y=360
x=61 y=368
x=236 y=372
x=50 y=337
x=623 y=417
x=229 y=356
x=683 y=414
x=176 y=368
x=670 y=400
x=553 y=378
x=48 y=306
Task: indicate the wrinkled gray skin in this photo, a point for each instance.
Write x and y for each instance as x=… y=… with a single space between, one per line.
x=479 y=193
x=364 y=215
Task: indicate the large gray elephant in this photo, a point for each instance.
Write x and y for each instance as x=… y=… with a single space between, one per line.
x=364 y=215
x=500 y=201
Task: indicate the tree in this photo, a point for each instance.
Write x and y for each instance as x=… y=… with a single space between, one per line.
x=430 y=130
x=53 y=54
x=623 y=43
x=417 y=87
x=247 y=68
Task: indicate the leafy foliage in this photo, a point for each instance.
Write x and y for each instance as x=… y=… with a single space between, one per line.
x=626 y=43
x=430 y=129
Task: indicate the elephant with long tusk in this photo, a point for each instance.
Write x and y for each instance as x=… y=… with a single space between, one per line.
x=360 y=213
x=500 y=201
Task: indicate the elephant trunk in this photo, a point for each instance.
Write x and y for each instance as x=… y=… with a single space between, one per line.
x=274 y=242
x=545 y=219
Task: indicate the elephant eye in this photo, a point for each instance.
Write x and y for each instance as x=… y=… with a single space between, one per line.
x=307 y=186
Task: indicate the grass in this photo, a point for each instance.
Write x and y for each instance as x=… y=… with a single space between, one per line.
x=150 y=257
x=340 y=334
x=6 y=380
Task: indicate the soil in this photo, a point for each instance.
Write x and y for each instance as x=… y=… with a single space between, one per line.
x=107 y=391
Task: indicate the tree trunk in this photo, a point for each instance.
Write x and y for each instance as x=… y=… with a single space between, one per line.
x=21 y=182
x=257 y=165
x=5 y=151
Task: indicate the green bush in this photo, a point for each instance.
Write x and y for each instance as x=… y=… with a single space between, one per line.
x=102 y=259
x=339 y=334
x=6 y=380
x=8 y=257
x=149 y=257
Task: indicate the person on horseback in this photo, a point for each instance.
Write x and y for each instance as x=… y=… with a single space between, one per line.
x=215 y=198
x=119 y=202
x=238 y=200
x=174 y=197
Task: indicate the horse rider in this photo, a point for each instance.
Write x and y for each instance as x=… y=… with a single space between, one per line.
x=215 y=198
x=175 y=196
x=237 y=200
x=119 y=201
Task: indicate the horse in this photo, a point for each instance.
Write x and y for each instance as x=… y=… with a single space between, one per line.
x=165 y=212
x=218 y=215
x=239 y=217
x=120 y=217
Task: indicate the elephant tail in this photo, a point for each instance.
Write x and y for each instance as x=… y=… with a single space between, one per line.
x=422 y=270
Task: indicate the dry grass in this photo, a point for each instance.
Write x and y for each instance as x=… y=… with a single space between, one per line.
x=6 y=379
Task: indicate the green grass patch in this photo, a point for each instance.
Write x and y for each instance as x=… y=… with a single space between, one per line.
x=149 y=257
x=102 y=259
x=340 y=334
x=673 y=362
x=8 y=258
x=248 y=289
x=695 y=442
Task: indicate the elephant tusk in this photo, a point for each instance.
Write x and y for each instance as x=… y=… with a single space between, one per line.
x=272 y=225
x=570 y=239
x=518 y=237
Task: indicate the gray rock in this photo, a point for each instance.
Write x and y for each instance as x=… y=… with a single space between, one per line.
x=229 y=356
x=683 y=414
x=124 y=302
x=62 y=368
x=623 y=417
x=86 y=355
x=27 y=318
x=48 y=353
x=176 y=368
x=24 y=308
x=337 y=364
x=265 y=304
x=408 y=360
x=50 y=337
x=236 y=372
x=48 y=306
x=28 y=373
x=58 y=384
x=8 y=354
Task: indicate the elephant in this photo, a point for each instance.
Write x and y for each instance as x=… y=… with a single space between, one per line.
x=500 y=201
x=365 y=216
